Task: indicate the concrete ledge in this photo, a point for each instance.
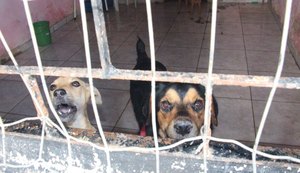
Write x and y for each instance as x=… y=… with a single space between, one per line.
x=23 y=149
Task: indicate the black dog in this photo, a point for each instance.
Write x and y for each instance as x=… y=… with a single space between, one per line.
x=179 y=107
x=140 y=90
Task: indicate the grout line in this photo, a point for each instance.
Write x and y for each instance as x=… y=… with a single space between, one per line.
x=257 y=100
x=247 y=63
x=112 y=89
x=166 y=33
x=203 y=38
x=121 y=115
x=18 y=103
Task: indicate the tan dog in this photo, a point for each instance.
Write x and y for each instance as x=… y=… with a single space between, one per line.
x=70 y=97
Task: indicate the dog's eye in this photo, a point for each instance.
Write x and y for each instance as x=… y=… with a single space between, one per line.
x=52 y=87
x=75 y=84
x=197 y=105
x=166 y=106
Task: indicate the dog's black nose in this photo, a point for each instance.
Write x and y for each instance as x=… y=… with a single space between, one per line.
x=59 y=92
x=183 y=128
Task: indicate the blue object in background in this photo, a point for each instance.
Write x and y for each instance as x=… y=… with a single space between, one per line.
x=88 y=5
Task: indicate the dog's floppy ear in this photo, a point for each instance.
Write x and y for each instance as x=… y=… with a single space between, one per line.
x=214 y=111
x=98 y=97
x=214 y=106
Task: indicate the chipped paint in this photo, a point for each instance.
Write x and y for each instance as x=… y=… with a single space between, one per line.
x=121 y=74
x=92 y=160
x=178 y=165
x=241 y=168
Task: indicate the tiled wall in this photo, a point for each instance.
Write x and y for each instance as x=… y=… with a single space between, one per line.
x=13 y=23
x=294 y=34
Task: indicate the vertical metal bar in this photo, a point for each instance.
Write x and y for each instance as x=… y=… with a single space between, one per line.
x=40 y=107
x=89 y=68
x=74 y=9
x=208 y=95
x=105 y=3
x=3 y=141
x=30 y=83
x=42 y=111
x=42 y=75
x=288 y=9
x=101 y=36
x=116 y=5
x=42 y=139
x=153 y=69
x=32 y=86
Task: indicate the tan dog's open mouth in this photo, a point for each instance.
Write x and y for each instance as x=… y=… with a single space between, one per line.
x=66 y=111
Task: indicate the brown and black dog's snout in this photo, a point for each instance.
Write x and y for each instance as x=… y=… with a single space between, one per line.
x=183 y=126
x=59 y=93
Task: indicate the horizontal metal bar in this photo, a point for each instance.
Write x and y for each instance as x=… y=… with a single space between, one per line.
x=181 y=77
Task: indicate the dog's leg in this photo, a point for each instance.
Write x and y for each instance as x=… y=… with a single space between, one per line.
x=162 y=134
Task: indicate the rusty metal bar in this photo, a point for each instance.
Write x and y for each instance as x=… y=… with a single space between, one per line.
x=91 y=85
x=181 y=77
x=38 y=95
x=288 y=9
x=101 y=36
x=42 y=75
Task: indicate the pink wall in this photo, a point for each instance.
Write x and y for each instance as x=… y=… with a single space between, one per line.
x=294 y=34
x=13 y=23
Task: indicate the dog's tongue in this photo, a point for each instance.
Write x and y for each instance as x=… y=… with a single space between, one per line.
x=64 y=109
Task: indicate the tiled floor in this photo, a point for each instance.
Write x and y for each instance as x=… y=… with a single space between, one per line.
x=247 y=42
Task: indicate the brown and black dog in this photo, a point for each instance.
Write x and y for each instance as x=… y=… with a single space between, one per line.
x=179 y=107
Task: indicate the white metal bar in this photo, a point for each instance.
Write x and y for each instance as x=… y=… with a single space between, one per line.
x=286 y=24
x=89 y=69
x=116 y=5
x=40 y=66
x=210 y=80
x=26 y=81
x=3 y=141
x=153 y=80
x=208 y=94
x=74 y=9
x=42 y=139
x=106 y=7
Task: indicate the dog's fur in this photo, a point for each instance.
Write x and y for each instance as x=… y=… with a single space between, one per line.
x=179 y=107
x=140 y=90
x=70 y=97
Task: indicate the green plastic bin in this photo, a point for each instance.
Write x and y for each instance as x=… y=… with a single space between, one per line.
x=42 y=32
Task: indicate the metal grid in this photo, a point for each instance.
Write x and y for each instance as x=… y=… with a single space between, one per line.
x=108 y=71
